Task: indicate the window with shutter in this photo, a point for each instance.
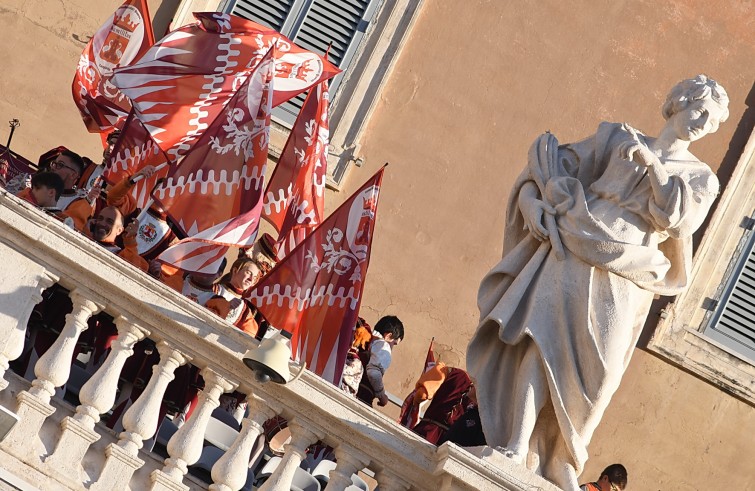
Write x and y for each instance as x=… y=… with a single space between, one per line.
x=733 y=325
x=314 y=25
x=708 y=328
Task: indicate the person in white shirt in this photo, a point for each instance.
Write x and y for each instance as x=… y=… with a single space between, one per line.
x=388 y=332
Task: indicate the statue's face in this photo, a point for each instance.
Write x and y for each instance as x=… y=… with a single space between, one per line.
x=698 y=119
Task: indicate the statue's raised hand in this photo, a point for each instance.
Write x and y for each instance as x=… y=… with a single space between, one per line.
x=637 y=151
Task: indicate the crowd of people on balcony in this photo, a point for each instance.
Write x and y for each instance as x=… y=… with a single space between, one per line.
x=441 y=408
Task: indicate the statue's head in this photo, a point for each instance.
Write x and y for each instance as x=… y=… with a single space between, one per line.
x=695 y=89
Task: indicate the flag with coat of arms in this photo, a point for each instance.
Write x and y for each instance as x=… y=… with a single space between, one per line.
x=183 y=82
x=295 y=196
x=215 y=194
x=121 y=40
x=316 y=290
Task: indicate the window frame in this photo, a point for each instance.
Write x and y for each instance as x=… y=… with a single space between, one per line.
x=680 y=335
x=353 y=101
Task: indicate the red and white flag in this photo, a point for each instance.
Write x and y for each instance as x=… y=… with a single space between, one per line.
x=295 y=196
x=315 y=292
x=122 y=39
x=134 y=150
x=183 y=82
x=215 y=195
x=409 y=416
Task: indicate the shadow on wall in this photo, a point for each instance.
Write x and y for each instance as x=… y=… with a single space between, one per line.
x=724 y=173
x=163 y=17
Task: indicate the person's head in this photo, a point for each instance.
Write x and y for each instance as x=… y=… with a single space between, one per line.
x=391 y=328
x=244 y=273
x=613 y=478
x=112 y=138
x=46 y=187
x=108 y=225
x=696 y=107
x=69 y=166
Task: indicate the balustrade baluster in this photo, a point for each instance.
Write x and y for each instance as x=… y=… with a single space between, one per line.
x=185 y=447
x=139 y=423
x=301 y=437
x=52 y=370
x=230 y=472
x=97 y=397
x=390 y=481
x=14 y=340
x=348 y=461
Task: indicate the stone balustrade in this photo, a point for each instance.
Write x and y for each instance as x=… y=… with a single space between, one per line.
x=64 y=448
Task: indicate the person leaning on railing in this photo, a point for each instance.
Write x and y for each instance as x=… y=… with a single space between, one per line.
x=388 y=332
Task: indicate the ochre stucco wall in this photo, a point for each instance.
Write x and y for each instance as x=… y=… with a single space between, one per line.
x=41 y=43
x=472 y=89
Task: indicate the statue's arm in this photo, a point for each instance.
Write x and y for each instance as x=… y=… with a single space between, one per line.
x=636 y=151
x=533 y=210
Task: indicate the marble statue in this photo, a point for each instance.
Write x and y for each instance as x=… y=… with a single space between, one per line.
x=594 y=230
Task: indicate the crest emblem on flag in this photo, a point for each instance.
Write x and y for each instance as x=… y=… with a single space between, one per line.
x=148 y=233
x=125 y=36
x=122 y=42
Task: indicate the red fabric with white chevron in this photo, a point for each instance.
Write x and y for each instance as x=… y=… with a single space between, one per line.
x=180 y=85
x=295 y=196
x=134 y=150
x=215 y=194
x=122 y=39
x=315 y=292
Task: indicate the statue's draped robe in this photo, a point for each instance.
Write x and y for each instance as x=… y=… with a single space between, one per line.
x=583 y=314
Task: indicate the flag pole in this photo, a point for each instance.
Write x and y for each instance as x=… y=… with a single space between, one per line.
x=141 y=176
x=151 y=200
x=14 y=123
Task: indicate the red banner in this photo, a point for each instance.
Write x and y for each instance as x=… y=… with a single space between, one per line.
x=315 y=292
x=13 y=170
x=134 y=150
x=180 y=85
x=295 y=196
x=215 y=194
x=122 y=39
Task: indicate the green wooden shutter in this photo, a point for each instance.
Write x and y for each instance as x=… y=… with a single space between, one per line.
x=313 y=25
x=270 y=13
x=734 y=322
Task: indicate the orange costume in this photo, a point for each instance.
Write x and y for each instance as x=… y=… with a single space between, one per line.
x=70 y=205
x=154 y=234
x=128 y=253
x=241 y=316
